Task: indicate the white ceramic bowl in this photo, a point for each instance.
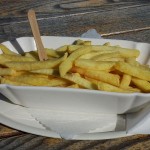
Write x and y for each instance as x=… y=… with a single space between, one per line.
x=76 y=100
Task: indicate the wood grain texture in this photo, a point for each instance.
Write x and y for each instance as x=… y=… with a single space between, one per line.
x=18 y=8
x=7 y=132
x=29 y=141
x=115 y=19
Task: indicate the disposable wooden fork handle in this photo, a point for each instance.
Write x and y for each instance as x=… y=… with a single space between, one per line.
x=36 y=33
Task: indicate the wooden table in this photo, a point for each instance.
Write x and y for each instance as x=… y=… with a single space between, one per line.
x=116 y=19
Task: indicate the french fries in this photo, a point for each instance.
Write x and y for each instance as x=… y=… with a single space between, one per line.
x=76 y=78
x=38 y=81
x=142 y=84
x=5 y=50
x=134 y=71
x=66 y=65
x=35 y=65
x=7 y=71
x=80 y=65
x=96 y=65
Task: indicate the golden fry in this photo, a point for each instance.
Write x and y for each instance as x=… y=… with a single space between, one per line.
x=124 y=52
x=33 y=55
x=47 y=71
x=90 y=64
x=66 y=65
x=76 y=78
x=16 y=58
x=7 y=71
x=133 y=70
x=5 y=50
x=51 y=52
x=28 y=66
x=107 y=87
x=38 y=81
x=103 y=76
x=125 y=82
x=111 y=88
x=74 y=86
x=93 y=54
x=106 y=56
x=7 y=81
x=142 y=84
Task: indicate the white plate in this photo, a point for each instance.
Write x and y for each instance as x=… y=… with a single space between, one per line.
x=26 y=123
x=76 y=100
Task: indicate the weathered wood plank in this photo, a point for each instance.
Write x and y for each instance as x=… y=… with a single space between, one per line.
x=29 y=141
x=10 y=12
x=138 y=36
x=74 y=25
x=7 y=132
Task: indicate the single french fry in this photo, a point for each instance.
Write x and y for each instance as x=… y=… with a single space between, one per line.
x=114 y=59
x=89 y=55
x=6 y=50
x=107 y=87
x=99 y=75
x=18 y=73
x=66 y=65
x=133 y=70
x=103 y=76
x=28 y=66
x=46 y=71
x=133 y=89
x=106 y=56
x=78 y=70
x=51 y=52
x=62 y=49
x=124 y=52
x=81 y=70
x=111 y=88
x=141 y=84
x=32 y=54
x=72 y=48
x=77 y=79
x=7 y=81
x=7 y=71
x=132 y=61
x=90 y=64
x=93 y=54
x=3 y=60
x=74 y=86
x=38 y=81
x=26 y=73
x=16 y=58
x=125 y=81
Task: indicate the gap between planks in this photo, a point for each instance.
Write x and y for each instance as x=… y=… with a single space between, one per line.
x=125 y=31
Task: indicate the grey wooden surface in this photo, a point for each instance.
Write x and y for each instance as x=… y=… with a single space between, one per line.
x=116 y=19
x=112 y=19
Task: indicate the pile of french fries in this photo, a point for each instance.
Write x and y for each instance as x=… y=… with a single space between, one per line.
x=80 y=65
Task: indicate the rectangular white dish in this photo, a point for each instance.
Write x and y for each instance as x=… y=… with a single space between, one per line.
x=76 y=100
